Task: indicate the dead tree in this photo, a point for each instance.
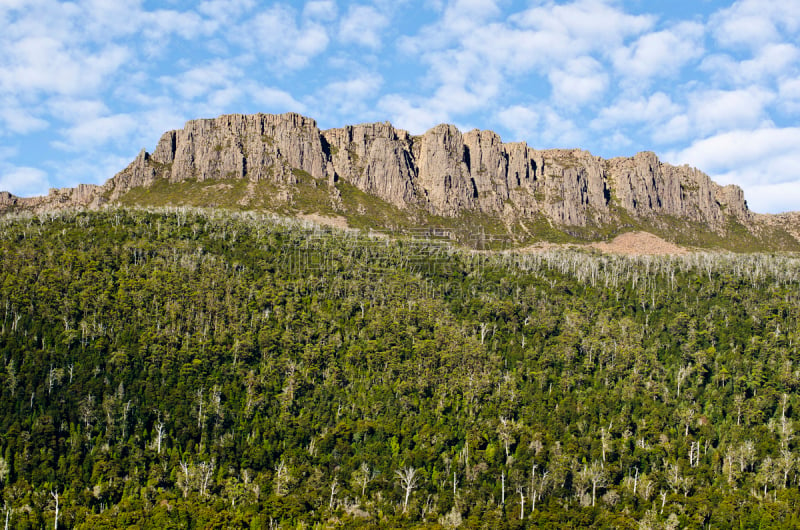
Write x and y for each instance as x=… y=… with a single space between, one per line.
x=408 y=481
x=54 y=494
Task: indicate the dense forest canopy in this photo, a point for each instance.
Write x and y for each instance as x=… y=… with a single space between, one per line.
x=200 y=369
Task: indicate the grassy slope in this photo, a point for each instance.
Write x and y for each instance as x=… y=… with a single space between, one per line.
x=473 y=229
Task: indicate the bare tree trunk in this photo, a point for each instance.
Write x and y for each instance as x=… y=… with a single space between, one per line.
x=334 y=489
x=159 y=435
x=408 y=480
x=55 y=496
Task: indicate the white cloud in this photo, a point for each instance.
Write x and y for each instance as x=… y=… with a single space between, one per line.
x=781 y=197
x=351 y=95
x=42 y=18
x=582 y=26
x=789 y=91
x=580 y=81
x=560 y=131
x=413 y=117
x=23 y=181
x=616 y=141
x=719 y=110
x=274 y=33
x=458 y=93
x=653 y=109
x=762 y=161
x=72 y=48
x=160 y=25
x=17 y=119
x=656 y=115
x=93 y=134
x=95 y=168
x=74 y=109
x=677 y=129
x=222 y=86
x=542 y=127
x=770 y=61
x=153 y=123
x=460 y=19
x=200 y=81
x=757 y=156
x=548 y=36
x=273 y=99
x=322 y=10
x=522 y=121
x=754 y=23
x=660 y=53
x=471 y=56
x=363 y=25
x=43 y=64
x=222 y=12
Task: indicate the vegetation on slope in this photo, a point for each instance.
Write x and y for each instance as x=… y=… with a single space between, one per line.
x=473 y=229
x=185 y=369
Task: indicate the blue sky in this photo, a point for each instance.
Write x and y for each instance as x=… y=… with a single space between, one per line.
x=84 y=85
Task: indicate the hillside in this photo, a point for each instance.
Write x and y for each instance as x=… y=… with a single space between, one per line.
x=176 y=368
x=470 y=187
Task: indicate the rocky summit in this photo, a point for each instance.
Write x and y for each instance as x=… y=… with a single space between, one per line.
x=441 y=176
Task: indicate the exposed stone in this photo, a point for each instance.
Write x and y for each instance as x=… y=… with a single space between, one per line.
x=375 y=158
x=443 y=171
x=256 y=147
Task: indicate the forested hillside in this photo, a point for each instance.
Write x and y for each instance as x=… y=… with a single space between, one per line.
x=188 y=369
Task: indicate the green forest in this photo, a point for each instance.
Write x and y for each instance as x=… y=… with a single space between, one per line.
x=182 y=368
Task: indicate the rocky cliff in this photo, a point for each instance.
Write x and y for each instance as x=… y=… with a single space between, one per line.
x=443 y=172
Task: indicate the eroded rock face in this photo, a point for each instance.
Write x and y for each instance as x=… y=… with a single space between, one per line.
x=256 y=147
x=646 y=187
x=375 y=158
x=443 y=172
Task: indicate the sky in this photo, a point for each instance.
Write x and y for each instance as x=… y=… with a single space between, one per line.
x=85 y=85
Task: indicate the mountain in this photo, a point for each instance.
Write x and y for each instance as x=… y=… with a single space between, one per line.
x=470 y=185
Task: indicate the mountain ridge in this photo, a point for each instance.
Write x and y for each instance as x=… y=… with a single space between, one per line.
x=442 y=174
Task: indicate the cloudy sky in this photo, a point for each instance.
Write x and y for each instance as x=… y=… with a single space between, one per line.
x=84 y=85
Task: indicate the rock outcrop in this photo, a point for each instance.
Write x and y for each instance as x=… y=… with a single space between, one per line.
x=81 y=196
x=375 y=158
x=257 y=147
x=444 y=172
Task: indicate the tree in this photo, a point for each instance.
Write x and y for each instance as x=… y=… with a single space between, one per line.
x=505 y=430
x=786 y=464
x=334 y=491
x=595 y=475
x=185 y=477
x=206 y=470
x=604 y=442
x=408 y=481
x=683 y=373
x=54 y=495
x=159 y=435
x=362 y=477
x=282 y=479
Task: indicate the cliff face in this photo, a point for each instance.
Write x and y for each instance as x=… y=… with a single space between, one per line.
x=256 y=147
x=444 y=172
